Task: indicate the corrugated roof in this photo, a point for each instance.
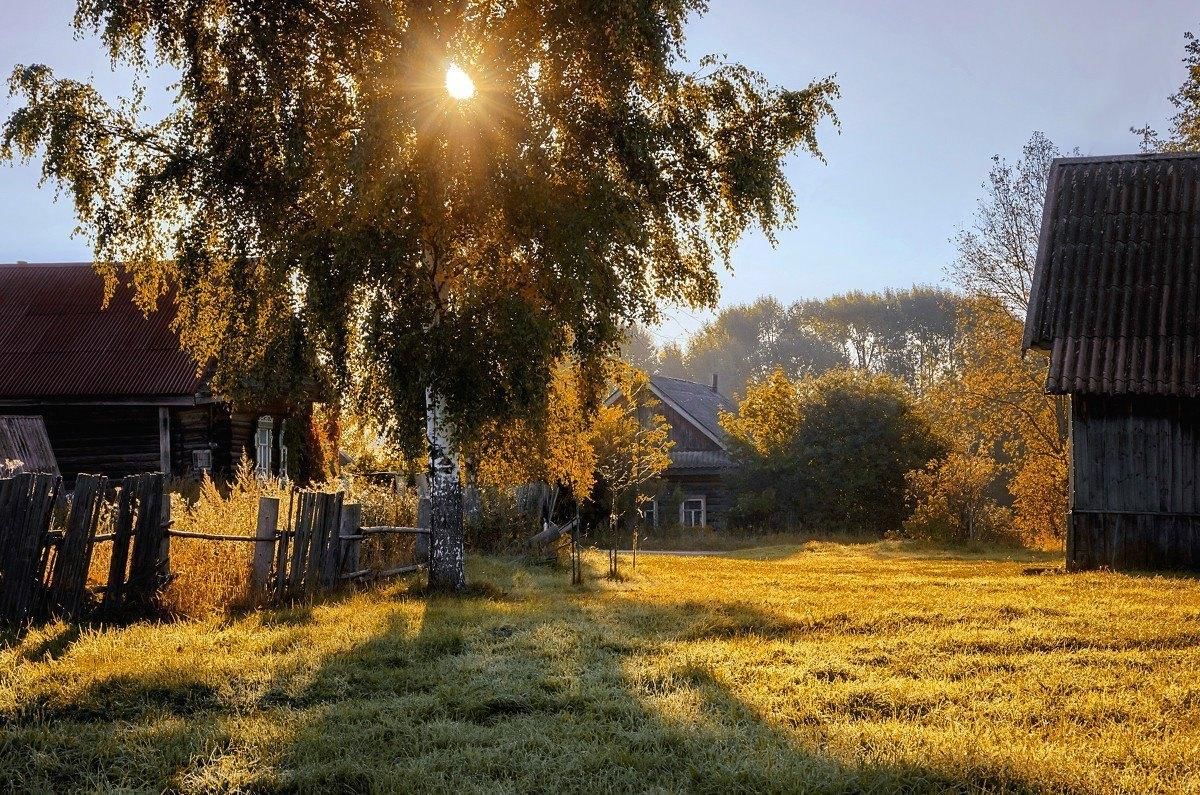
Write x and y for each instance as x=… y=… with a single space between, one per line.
x=56 y=340
x=1116 y=289
x=700 y=402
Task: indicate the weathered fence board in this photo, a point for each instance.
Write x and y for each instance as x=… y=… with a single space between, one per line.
x=24 y=525
x=149 y=566
x=68 y=581
x=265 y=535
x=114 y=590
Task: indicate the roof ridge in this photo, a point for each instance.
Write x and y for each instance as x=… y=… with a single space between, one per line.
x=1134 y=157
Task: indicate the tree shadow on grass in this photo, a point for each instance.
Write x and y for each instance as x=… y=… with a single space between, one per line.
x=516 y=688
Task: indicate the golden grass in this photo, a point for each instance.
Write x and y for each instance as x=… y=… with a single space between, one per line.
x=826 y=667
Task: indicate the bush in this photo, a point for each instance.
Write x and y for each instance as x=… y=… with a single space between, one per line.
x=834 y=451
x=952 y=502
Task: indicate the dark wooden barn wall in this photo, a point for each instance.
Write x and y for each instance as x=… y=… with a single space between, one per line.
x=108 y=440
x=1134 y=497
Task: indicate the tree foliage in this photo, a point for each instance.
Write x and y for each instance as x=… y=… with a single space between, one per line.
x=314 y=188
x=556 y=448
x=827 y=453
x=1183 y=135
x=996 y=253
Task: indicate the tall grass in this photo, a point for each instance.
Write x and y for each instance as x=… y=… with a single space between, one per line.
x=212 y=576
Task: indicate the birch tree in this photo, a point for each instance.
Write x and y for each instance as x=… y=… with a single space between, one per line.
x=430 y=203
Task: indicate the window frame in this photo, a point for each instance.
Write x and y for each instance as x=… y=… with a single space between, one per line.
x=684 y=511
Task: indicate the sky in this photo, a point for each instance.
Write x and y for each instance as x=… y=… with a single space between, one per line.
x=930 y=91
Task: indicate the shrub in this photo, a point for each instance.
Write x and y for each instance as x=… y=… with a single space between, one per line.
x=834 y=450
x=952 y=500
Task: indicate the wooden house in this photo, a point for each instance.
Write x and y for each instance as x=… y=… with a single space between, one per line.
x=692 y=492
x=1115 y=300
x=116 y=391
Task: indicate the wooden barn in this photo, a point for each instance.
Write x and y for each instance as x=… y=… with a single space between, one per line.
x=693 y=492
x=117 y=393
x=1115 y=300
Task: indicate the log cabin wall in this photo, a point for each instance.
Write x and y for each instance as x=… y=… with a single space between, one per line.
x=109 y=440
x=1134 y=497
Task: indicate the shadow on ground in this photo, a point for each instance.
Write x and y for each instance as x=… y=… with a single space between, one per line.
x=485 y=693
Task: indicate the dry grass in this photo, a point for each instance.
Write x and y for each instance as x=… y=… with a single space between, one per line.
x=825 y=667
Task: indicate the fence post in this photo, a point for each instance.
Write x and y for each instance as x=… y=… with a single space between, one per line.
x=264 y=546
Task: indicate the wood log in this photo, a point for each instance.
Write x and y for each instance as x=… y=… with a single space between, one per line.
x=551 y=533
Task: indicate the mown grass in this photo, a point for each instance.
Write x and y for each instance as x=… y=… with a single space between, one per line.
x=826 y=667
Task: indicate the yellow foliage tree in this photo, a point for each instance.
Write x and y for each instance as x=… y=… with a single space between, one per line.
x=767 y=418
x=632 y=444
x=557 y=449
x=998 y=405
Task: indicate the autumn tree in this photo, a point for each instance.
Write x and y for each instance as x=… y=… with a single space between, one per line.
x=996 y=252
x=997 y=405
x=633 y=447
x=434 y=202
x=1183 y=134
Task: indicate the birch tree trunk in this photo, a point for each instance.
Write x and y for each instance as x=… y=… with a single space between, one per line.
x=446 y=569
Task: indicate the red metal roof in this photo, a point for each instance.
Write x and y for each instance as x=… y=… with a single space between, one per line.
x=57 y=342
x=1116 y=289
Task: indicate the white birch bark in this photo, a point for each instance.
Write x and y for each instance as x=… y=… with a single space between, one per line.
x=446 y=558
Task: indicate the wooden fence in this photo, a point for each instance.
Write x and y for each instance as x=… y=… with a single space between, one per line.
x=47 y=539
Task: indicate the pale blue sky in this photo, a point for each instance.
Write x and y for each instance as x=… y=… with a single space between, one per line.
x=930 y=91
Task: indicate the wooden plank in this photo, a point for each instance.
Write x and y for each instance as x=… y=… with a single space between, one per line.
x=68 y=580
x=331 y=537
x=281 y=551
x=301 y=540
x=24 y=440
x=264 y=548
x=350 y=538
x=114 y=590
x=164 y=440
x=147 y=573
x=317 y=544
x=31 y=502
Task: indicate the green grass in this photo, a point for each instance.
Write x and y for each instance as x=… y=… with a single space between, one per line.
x=826 y=667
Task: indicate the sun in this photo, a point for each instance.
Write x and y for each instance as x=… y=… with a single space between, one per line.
x=458 y=83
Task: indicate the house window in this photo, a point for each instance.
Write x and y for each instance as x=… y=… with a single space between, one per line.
x=262 y=446
x=650 y=512
x=692 y=512
x=202 y=460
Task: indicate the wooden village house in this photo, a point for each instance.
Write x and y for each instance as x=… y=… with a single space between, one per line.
x=117 y=393
x=692 y=491
x=1115 y=301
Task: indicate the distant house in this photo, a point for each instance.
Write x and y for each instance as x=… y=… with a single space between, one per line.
x=1116 y=302
x=116 y=391
x=693 y=491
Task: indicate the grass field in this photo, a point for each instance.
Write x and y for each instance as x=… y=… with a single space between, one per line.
x=825 y=667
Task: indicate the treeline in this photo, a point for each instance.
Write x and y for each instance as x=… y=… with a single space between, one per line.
x=909 y=334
